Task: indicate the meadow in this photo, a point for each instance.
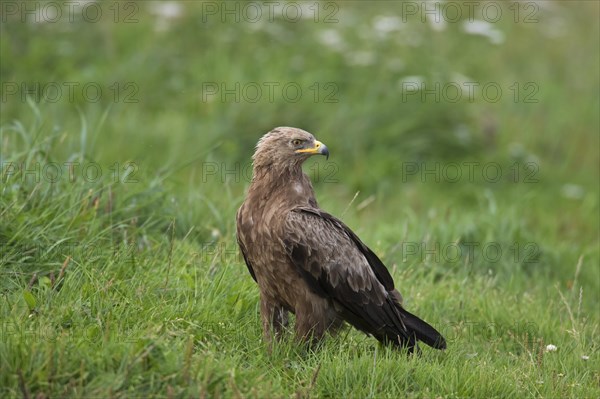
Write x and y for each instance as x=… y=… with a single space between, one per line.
x=465 y=152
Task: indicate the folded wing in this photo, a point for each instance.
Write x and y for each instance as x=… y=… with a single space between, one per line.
x=336 y=264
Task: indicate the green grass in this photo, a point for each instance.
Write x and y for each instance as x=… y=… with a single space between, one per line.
x=130 y=283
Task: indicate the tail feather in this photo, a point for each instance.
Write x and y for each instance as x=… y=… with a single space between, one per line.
x=390 y=323
x=423 y=331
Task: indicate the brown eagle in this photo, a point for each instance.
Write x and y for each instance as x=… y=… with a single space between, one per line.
x=307 y=262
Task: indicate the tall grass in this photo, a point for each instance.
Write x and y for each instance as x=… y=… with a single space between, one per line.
x=128 y=282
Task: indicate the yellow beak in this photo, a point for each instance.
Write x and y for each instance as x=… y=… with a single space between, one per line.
x=318 y=149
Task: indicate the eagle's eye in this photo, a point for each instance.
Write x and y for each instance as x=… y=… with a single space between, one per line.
x=296 y=142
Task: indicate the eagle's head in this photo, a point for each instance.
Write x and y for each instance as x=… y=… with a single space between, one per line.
x=287 y=147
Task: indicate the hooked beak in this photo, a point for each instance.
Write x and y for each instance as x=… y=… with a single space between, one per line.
x=318 y=149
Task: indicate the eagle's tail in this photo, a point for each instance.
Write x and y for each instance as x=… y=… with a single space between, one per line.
x=404 y=329
x=392 y=324
x=421 y=330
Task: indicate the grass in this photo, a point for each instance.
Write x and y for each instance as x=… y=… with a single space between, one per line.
x=128 y=282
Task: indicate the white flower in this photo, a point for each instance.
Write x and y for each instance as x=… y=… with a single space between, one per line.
x=168 y=9
x=551 y=348
x=411 y=83
x=332 y=39
x=483 y=28
x=384 y=24
x=165 y=13
x=585 y=357
x=572 y=191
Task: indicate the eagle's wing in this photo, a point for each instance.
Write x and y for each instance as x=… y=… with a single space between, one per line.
x=333 y=265
x=336 y=264
x=241 y=244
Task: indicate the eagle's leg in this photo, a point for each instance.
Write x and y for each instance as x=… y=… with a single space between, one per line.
x=280 y=320
x=308 y=329
x=274 y=318
x=313 y=319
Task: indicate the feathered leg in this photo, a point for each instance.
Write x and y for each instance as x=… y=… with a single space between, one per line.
x=313 y=318
x=274 y=318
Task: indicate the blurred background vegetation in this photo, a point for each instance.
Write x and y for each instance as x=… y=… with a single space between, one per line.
x=178 y=113
x=158 y=65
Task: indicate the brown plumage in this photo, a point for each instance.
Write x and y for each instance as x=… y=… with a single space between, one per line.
x=307 y=262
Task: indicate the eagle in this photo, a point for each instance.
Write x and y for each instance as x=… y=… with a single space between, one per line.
x=307 y=262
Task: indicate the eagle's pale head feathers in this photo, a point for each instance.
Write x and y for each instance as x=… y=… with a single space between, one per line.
x=286 y=147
